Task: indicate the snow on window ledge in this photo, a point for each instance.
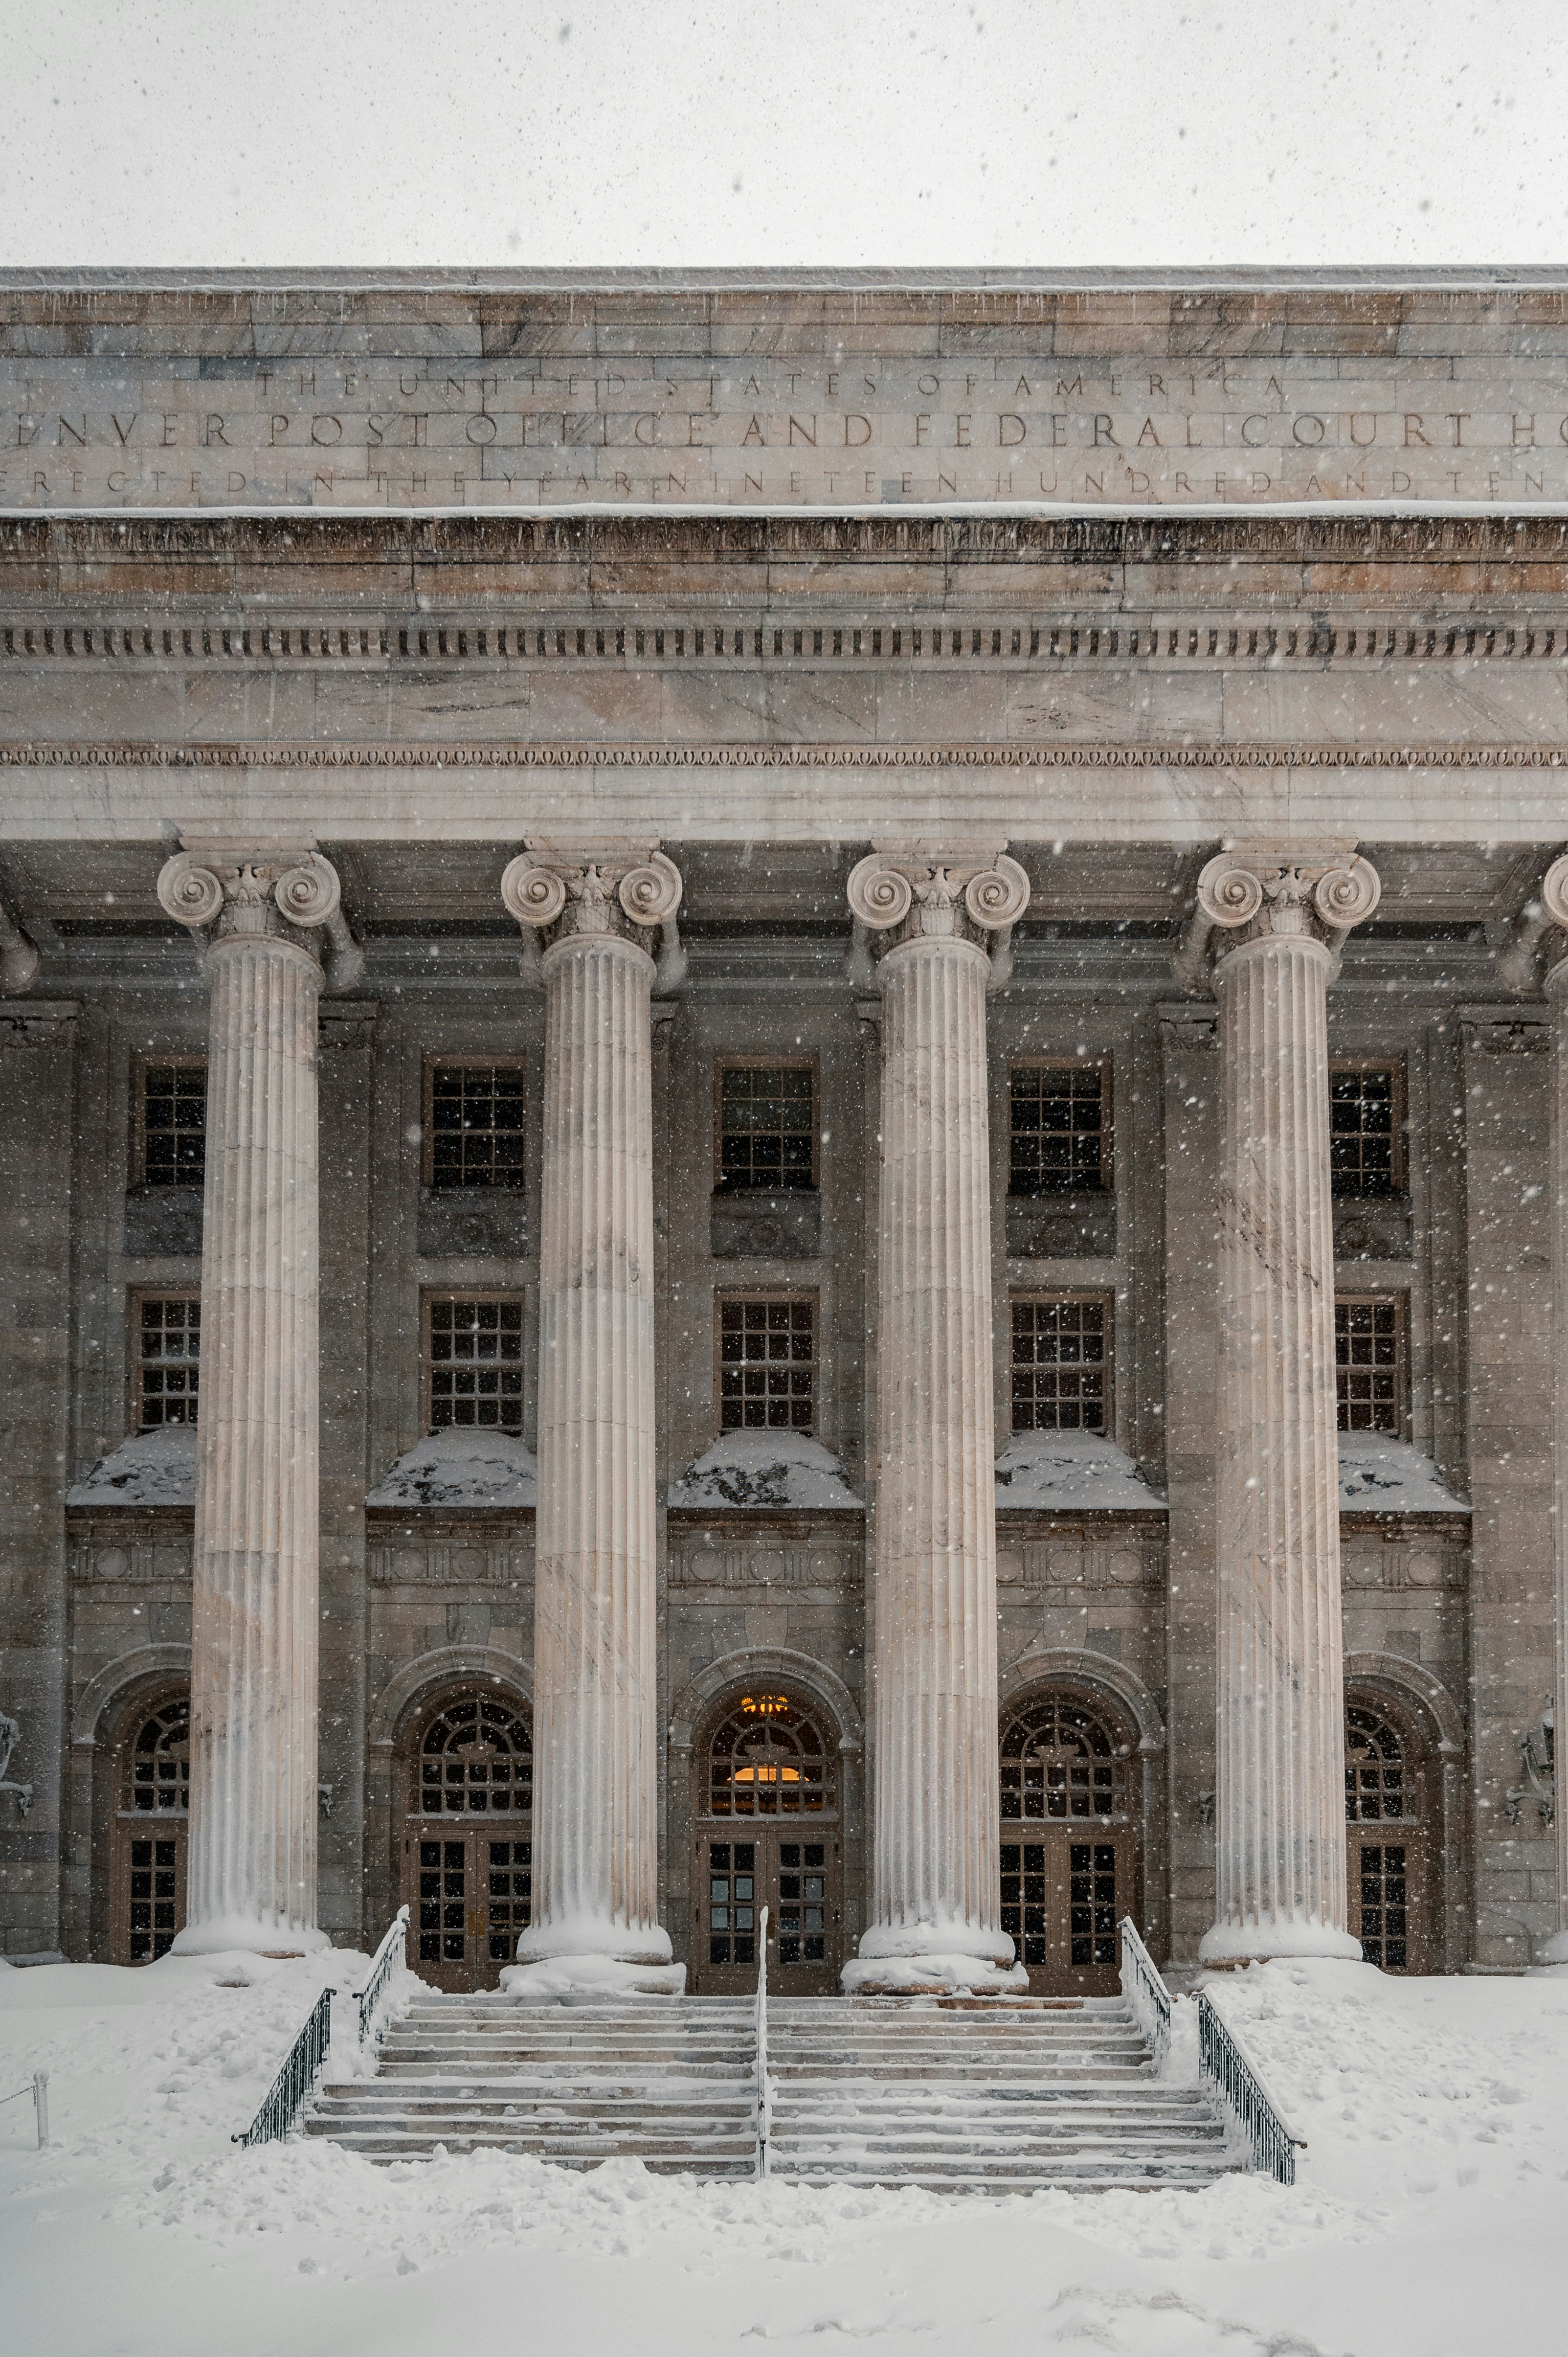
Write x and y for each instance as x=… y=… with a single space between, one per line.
x=149 y=1469
x=461 y=1467
x=1380 y=1476
x=1078 y=1470
x=781 y=1471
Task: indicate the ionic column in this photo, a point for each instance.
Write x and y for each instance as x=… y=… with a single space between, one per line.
x=934 y=1900
x=1554 y=908
x=251 y=1865
x=1278 y=920
x=595 y=1747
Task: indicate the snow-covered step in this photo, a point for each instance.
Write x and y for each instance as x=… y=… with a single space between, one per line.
x=962 y=2096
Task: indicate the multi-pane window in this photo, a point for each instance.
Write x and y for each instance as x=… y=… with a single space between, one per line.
x=1369 y=1365
x=768 y=1125
x=473 y=1362
x=732 y=1902
x=155 y=1767
x=1364 y=1128
x=1061 y=1365
x=1374 y=1768
x=475 y=1125
x=1060 y=1129
x=477 y=1757
x=767 y=1365
x=173 y=1116
x=168 y=1359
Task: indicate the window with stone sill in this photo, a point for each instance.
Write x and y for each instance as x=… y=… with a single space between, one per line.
x=170 y=1122
x=473 y=1363
x=1061 y=1363
x=166 y=1343
x=1369 y=1364
x=474 y=1124
x=768 y=1364
x=767 y=1126
x=1060 y=1128
x=1365 y=1120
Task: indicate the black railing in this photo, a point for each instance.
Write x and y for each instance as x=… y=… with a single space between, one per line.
x=295 y=2079
x=763 y=2102
x=390 y=1957
x=1145 y=1992
x=1236 y=2082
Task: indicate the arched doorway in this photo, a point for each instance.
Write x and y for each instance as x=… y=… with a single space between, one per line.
x=767 y=1834
x=1068 y=1854
x=1391 y=1867
x=468 y=1838
x=152 y=1815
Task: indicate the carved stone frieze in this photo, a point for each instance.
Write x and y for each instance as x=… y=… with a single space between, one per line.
x=1066 y=1227
x=757 y=1225
x=453 y=1556
x=163 y=1222
x=795 y=1557
x=1068 y=1562
x=1372 y=1227
x=460 y=1222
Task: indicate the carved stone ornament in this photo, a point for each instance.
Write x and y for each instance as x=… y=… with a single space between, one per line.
x=252 y=894
x=1252 y=896
x=1554 y=892
x=885 y=892
x=542 y=891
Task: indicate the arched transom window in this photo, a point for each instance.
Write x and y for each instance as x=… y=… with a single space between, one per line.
x=768 y=1760
x=1374 y=1768
x=154 y=1767
x=1059 y=1760
x=476 y=1758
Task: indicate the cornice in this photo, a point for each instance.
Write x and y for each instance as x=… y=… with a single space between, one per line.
x=1017 y=758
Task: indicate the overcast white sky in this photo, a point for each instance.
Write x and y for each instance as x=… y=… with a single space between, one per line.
x=1029 y=132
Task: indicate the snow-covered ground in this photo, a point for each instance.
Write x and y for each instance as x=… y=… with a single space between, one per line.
x=1428 y=2221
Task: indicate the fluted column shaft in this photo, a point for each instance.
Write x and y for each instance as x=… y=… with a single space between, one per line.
x=595 y=1849
x=253 y=1803
x=935 y=1885
x=935 y=1882
x=1281 y=1741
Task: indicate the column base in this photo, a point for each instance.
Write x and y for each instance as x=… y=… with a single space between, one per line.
x=249 y=1935
x=584 y=1980
x=1225 y=1947
x=1552 y=1953
x=563 y=1963
x=934 y=1960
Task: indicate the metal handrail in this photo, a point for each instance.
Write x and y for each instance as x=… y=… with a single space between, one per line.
x=1235 y=2078
x=764 y=2089
x=40 y=2090
x=390 y=1957
x=295 y=2079
x=1145 y=1992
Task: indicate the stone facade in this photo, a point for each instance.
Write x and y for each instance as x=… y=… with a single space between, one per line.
x=1058 y=729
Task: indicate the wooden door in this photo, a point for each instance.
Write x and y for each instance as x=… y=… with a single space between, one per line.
x=471 y=1889
x=796 y=1872
x=1064 y=1890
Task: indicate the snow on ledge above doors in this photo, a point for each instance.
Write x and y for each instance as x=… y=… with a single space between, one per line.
x=461 y=1467
x=1078 y=1470
x=149 y=1469
x=779 y=1470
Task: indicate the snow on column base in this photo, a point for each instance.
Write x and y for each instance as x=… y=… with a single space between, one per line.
x=1227 y=1945
x=1552 y=1953
x=252 y=1933
x=578 y=1980
x=932 y=1976
x=594 y=1936
x=932 y=1958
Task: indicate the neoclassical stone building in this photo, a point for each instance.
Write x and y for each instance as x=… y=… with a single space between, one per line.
x=784 y=1120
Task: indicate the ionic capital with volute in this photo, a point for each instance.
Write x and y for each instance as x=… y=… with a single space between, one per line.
x=607 y=888
x=904 y=893
x=1256 y=892
x=225 y=893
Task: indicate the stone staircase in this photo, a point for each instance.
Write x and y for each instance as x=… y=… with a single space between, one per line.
x=967 y=2096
